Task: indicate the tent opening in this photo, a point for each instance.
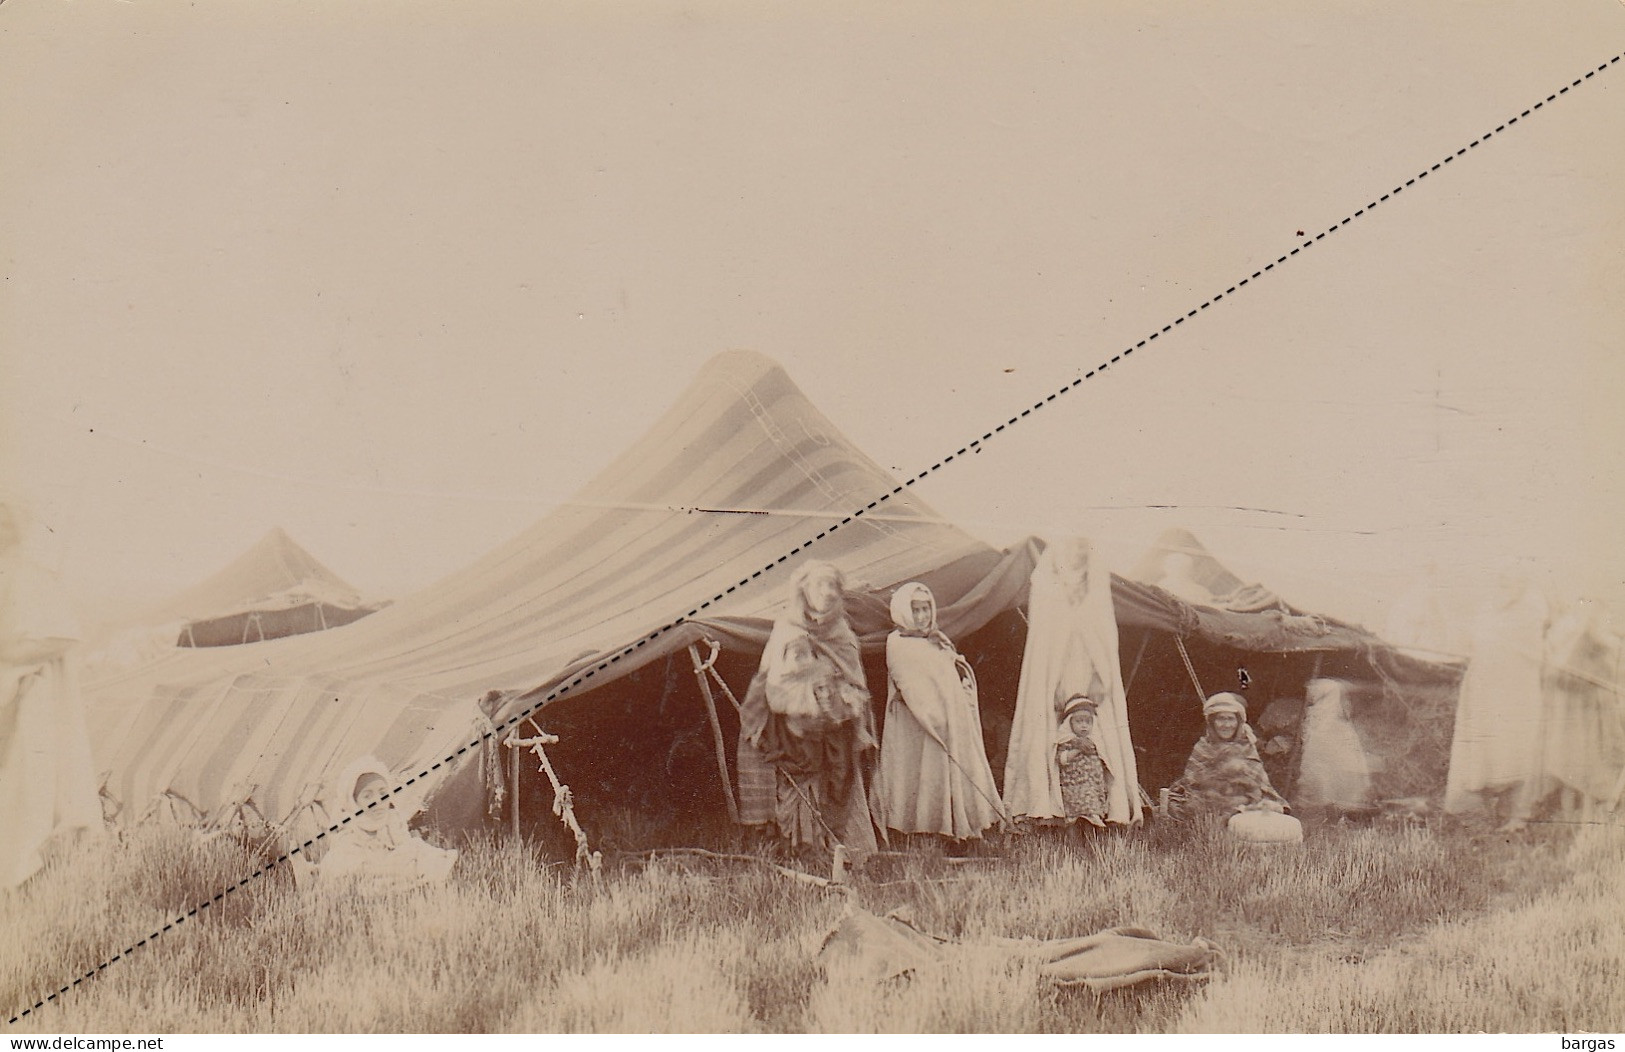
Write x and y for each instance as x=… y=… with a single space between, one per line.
x=639 y=753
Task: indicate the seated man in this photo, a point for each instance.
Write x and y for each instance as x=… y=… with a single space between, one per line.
x=375 y=846
x=1224 y=775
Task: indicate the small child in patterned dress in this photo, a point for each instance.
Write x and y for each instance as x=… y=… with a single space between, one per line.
x=1083 y=773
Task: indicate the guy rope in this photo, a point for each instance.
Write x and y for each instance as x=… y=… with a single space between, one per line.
x=1190 y=669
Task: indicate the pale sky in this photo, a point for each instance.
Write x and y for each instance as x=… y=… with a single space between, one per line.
x=400 y=278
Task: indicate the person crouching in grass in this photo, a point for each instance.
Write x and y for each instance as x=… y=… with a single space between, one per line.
x=375 y=848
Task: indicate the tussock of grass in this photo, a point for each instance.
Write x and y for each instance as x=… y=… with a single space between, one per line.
x=1359 y=929
x=677 y=987
x=1550 y=963
x=970 y=994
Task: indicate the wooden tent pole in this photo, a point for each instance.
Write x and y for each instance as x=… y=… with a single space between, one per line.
x=716 y=732
x=1135 y=671
x=563 y=799
x=513 y=789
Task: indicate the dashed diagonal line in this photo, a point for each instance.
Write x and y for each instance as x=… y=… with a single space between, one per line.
x=969 y=447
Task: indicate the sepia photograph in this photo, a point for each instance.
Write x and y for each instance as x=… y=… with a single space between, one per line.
x=698 y=517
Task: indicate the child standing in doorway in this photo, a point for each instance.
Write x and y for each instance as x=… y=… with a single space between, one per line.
x=1082 y=772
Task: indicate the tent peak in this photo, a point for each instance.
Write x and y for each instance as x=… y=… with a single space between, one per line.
x=274 y=566
x=739 y=368
x=1180 y=563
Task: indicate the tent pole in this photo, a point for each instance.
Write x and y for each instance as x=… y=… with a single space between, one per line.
x=513 y=791
x=1135 y=671
x=563 y=799
x=716 y=732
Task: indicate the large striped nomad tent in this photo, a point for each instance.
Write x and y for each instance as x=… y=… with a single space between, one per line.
x=596 y=618
x=691 y=523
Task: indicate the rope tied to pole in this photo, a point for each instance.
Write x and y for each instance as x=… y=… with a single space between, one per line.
x=563 y=798
x=700 y=670
x=708 y=666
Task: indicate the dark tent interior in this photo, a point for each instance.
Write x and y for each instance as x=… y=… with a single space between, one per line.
x=639 y=752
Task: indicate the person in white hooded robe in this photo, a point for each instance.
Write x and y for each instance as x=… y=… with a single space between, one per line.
x=934 y=775
x=1495 y=751
x=1335 y=775
x=375 y=847
x=1071 y=650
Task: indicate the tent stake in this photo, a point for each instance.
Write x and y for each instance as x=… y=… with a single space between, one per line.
x=716 y=729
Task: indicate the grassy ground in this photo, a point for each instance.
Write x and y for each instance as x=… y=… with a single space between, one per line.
x=1360 y=930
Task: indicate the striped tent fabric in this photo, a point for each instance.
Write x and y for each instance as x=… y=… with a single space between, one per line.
x=740 y=471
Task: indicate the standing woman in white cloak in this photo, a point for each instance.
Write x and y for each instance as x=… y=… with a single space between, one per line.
x=1071 y=650
x=47 y=778
x=1495 y=752
x=934 y=776
x=1335 y=776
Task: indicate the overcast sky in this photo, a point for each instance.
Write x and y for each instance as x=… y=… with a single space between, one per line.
x=399 y=278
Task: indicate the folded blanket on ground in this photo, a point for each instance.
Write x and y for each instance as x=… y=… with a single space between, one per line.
x=880 y=948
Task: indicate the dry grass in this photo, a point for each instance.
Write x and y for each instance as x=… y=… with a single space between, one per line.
x=1550 y=963
x=1361 y=929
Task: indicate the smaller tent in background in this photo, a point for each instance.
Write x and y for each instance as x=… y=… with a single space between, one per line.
x=274 y=589
x=1188 y=626
x=1181 y=565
